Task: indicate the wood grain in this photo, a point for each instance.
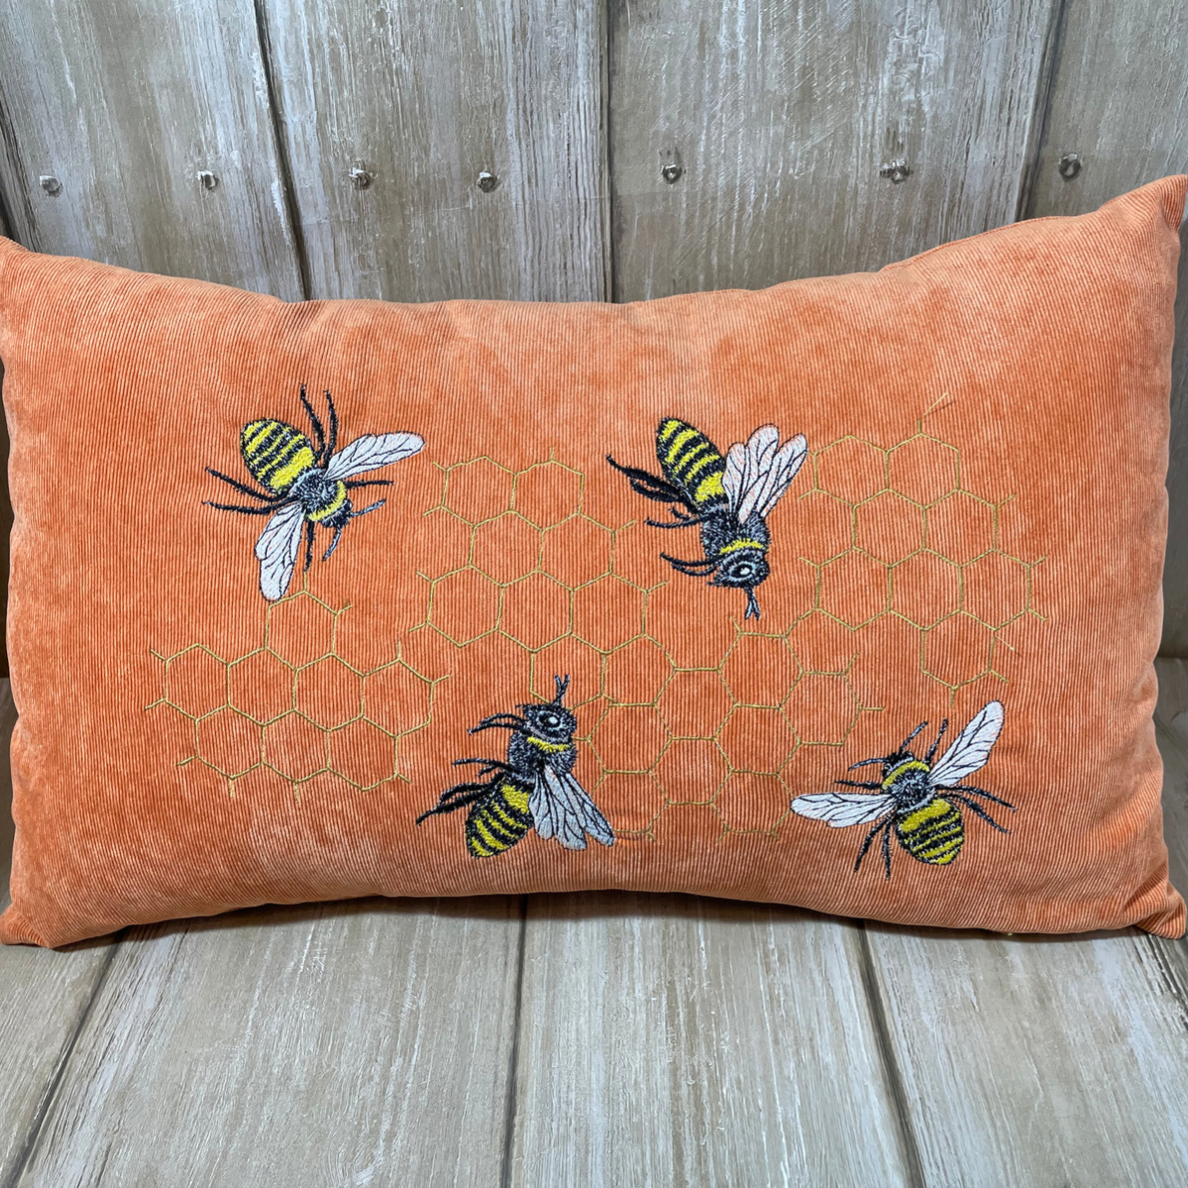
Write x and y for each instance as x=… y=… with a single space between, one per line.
x=672 y=1040
x=1047 y=1061
x=125 y=103
x=1119 y=101
x=421 y=99
x=343 y=1044
x=782 y=116
x=45 y=996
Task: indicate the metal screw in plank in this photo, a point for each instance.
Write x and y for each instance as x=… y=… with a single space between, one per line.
x=208 y=179
x=361 y=178
x=51 y=185
x=1070 y=166
x=895 y=171
x=487 y=181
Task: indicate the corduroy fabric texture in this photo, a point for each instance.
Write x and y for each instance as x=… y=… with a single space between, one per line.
x=976 y=534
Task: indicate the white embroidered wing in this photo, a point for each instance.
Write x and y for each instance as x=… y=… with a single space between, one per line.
x=371 y=451
x=277 y=550
x=758 y=473
x=970 y=749
x=840 y=809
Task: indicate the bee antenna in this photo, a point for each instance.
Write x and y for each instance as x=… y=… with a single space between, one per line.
x=562 y=686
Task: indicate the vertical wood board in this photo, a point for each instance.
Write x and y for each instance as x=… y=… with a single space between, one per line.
x=346 y=1044
x=781 y=117
x=671 y=1040
x=121 y=105
x=419 y=100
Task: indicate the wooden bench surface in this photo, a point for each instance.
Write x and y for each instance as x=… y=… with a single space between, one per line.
x=606 y=1039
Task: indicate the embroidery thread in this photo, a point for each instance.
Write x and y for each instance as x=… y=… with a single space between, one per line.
x=916 y=800
x=533 y=788
x=729 y=498
x=306 y=484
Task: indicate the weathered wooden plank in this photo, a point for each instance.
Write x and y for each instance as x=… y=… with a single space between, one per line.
x=419 y=100
x=1030 y=1061
x=44 y=996
x=111 y=113
x=788 y=121
x=671 y=1040
x=1119 y=103
x=360 y=1043
x=1171 y=727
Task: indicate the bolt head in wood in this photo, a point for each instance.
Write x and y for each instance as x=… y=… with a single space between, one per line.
x=361 y=178
x=1070 y=166
x=671 y=172
x=51 y=185
x=487 y=181
x=895 y=171
x=209 y=180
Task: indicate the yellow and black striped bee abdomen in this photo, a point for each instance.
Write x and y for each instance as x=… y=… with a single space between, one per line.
x=275 y=453
x=691 y=462
x=933 y=833
x=500 y=819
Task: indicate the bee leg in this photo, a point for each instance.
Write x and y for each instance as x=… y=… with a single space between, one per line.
x=687 y=522
x=309 y=543
x=333 y=442
x=869 y=838
x=486 y=766
x=981 y=791
x=499 y=722
x=333 y=544
x=243 y=488
x=452 y=799
x=933 y=749
x=973 y=806
x=367 y=483
x=316 y=425
x=859 y=784
x=701 y=568
x=247 y=511
x=903 y=746
x=887 y=847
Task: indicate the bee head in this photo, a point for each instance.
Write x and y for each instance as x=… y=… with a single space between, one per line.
x=551 y=720
x=744 y=569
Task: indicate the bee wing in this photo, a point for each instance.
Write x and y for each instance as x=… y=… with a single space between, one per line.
x=758 y=473
x=843 y=808
x=277 y=550
x=971 y=748
x=371 y=451
x=562 y=808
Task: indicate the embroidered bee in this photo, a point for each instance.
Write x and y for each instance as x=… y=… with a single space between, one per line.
x=729 y=499
x=534 y=788
x=306 y=484
x=915 y=799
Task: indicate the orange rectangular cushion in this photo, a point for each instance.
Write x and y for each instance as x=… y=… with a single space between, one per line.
x=841 y=594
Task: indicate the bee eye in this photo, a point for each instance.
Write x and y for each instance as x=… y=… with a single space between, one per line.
x=744 y=571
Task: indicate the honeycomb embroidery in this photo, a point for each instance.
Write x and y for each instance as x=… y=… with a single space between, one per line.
x=699 y=726
x=293 y=706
